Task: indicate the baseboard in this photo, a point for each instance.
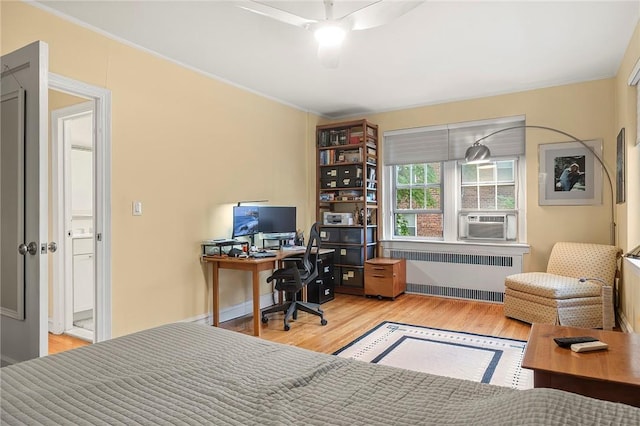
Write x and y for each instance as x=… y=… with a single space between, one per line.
x=81 y=333
x=232 y=312
x=625 y=325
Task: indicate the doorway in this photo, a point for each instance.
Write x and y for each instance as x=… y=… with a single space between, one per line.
x=80 y=284
x=72 y=138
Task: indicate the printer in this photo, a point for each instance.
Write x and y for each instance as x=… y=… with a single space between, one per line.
x=331 y=218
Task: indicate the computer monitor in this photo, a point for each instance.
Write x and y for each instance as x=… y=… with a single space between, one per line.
x=245 y=220
x=277 y=220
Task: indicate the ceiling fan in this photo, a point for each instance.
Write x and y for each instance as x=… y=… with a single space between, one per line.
x=331 y=31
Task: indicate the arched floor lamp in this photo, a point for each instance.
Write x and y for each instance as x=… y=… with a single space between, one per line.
x=479 y=153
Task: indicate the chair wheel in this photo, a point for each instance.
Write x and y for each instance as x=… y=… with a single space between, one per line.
x=286 y=327
x=265 y=320
x=323 y=321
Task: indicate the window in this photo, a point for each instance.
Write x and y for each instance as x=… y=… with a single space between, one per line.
x=418 y=208
x=418 y=200
x=490 y=186
x=432 y=190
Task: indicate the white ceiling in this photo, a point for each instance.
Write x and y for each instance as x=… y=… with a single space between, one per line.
x=438 y=52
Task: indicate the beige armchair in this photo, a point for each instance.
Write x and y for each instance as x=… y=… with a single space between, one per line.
x=576 y=290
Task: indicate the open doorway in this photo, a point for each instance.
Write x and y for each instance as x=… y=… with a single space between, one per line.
x=79 y=284
x=72 y=142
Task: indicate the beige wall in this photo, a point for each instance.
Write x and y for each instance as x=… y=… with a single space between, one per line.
x=188 y=147
x=585 y=110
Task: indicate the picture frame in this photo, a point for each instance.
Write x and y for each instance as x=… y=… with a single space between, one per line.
x=570 y=174
x=620 y=160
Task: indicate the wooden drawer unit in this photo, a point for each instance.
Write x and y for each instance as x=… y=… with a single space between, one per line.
x=385 y=277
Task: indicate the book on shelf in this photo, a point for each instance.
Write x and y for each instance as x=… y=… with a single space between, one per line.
x=327 y=157
x=371 y=131
x=356 y=135
x=338 y=137
x=332 y=137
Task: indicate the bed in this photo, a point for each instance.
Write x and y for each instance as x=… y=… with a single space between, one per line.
x=190 y=374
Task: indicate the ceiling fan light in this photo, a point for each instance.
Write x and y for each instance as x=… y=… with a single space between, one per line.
x=330 y=35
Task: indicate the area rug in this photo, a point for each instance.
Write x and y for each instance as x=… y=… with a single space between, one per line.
x=485 y=359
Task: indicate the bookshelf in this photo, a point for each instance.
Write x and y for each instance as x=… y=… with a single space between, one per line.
x=347 y=198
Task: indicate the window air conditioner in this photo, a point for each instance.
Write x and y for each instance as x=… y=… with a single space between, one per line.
x=486 y=227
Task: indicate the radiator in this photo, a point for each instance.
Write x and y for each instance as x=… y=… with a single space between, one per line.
x=629 y=293
x=458 y=275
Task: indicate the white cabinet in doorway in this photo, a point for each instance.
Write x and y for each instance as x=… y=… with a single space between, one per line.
x=83 y=261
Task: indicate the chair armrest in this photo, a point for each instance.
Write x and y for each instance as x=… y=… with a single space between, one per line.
x=286 y=274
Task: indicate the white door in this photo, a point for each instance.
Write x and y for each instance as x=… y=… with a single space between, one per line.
x=23 y=204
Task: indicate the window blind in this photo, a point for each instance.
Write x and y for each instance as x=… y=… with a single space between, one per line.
x=420 y=145
x=450 y=142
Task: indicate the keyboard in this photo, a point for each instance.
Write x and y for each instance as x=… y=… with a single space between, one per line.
x=262 y=255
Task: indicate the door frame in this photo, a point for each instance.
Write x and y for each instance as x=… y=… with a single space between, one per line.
x=102 y=207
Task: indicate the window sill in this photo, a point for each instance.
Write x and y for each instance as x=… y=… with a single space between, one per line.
x=517 y=249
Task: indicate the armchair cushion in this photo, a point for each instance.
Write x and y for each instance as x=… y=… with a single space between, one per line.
x=552 y=286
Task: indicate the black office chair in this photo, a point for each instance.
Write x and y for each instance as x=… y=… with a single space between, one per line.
x=293 y=278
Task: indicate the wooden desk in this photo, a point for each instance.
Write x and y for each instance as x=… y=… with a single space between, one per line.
x=612 y=375
x=253 y=265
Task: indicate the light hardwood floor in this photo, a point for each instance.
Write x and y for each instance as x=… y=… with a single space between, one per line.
x=350 y=316
x=62 y=342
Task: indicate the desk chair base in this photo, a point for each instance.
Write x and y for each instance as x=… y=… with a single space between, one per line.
x=291 y=311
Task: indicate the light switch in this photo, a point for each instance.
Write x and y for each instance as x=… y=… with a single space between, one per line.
x=137 y=208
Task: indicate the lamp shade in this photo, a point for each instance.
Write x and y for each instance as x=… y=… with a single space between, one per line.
x=477 y=153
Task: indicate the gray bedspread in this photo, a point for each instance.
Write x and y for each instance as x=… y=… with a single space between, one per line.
x=194 y=374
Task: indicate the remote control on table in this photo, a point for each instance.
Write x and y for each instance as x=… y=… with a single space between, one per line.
x=589 y=346
x=566 y=342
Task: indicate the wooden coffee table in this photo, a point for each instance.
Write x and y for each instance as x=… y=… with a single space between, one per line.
x=612 y=374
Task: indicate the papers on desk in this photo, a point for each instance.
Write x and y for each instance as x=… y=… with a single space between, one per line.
x=294 y=247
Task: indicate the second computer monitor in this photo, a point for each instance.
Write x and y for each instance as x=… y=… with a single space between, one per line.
x=277 y=220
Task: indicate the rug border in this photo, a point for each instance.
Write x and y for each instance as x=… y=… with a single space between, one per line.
x=420 y=326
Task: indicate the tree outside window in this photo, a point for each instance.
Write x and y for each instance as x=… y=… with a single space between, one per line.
x=418 y=200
